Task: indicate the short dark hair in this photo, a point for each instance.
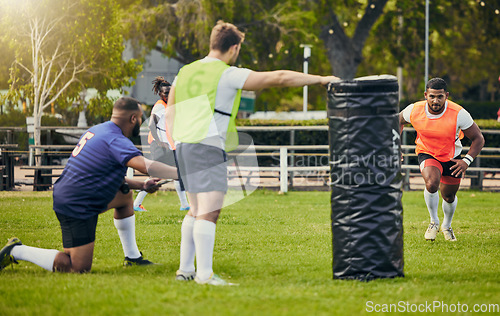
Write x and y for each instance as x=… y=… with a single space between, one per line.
x=436 y=84
x=224 y=35
x=126 y=104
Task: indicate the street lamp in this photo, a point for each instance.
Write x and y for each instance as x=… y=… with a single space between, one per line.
x=307 y=54
x=426 y=77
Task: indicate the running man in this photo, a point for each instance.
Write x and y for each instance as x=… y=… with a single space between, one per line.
x=439 y=123
x=162 y=145
x=203 y=103
x=93 y=182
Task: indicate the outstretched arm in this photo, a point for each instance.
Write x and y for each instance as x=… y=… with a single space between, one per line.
x=283 y=78
x=153 y=168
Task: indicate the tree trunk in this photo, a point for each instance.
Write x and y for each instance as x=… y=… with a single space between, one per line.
x=37 y=114
x=344 y=53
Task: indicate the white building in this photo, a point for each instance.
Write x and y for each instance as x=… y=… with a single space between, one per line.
x=155 y=65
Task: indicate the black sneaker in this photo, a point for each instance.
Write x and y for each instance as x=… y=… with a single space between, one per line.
x=136 y=262
x=5 y=258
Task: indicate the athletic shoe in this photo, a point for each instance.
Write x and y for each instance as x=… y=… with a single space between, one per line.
x=136 y=262
x=214 y=279
x=5 y=258
x=187 y=208
x=184 y=276
x=448 y=234
x=140 y=208
x=431 y=232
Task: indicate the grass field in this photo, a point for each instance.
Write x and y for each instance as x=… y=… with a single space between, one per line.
x=276 y=247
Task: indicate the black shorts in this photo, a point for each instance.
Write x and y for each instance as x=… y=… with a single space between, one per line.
x=77 y=232
x=444 y=167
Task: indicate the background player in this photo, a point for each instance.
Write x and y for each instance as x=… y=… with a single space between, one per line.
x=439 y=122
x=162 y=146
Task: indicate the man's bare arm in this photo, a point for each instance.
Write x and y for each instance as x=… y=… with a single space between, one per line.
x=283 y=78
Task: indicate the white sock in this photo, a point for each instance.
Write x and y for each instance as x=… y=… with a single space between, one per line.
x=449 y=210
x=187 y=245
x=39 y=256
x=204 y=240
x=140 y=198
x=126 y=231
x=432 y=201
x=181 y=194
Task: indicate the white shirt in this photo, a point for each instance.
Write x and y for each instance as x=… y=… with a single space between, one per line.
x=161 y=127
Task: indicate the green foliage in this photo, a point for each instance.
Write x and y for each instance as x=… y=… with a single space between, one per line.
x=273 y=33
x=80 y=46
x=481 y=110
x=482 y=123
x=262 y=122
x=5 y=62
x=13 y=118
x=277 y=247
x=461 y=31
x=100 y=107
x=488 y=124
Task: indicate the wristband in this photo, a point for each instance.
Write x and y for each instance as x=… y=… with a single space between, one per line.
x=468 y=159
x=125 y=188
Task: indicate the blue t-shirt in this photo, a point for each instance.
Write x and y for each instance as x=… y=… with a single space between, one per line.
x=94 y=172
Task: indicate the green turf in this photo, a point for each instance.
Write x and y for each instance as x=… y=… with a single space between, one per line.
x=277 y=247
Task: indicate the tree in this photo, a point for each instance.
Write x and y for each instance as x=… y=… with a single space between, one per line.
x=274 y=31
x=181 y=29
x=6 y=61
x=346 y=53
x=62 y=48
x=350 y=38
x=464 y=40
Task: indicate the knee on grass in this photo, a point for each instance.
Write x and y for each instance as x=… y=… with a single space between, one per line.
x=63 y=263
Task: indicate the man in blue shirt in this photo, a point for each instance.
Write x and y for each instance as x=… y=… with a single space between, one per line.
x=93 y=182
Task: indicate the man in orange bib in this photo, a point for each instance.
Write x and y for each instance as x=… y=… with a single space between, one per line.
x=440 y=124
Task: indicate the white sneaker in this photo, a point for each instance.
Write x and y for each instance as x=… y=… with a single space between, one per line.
x=214 y=279
x=448 y=234
x=431 y=232
x=184 y=276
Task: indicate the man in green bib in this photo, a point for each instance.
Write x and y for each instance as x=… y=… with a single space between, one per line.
x=201 y=111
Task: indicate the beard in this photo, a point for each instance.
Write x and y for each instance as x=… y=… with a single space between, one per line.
x=137 y=129
x=437 y=107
